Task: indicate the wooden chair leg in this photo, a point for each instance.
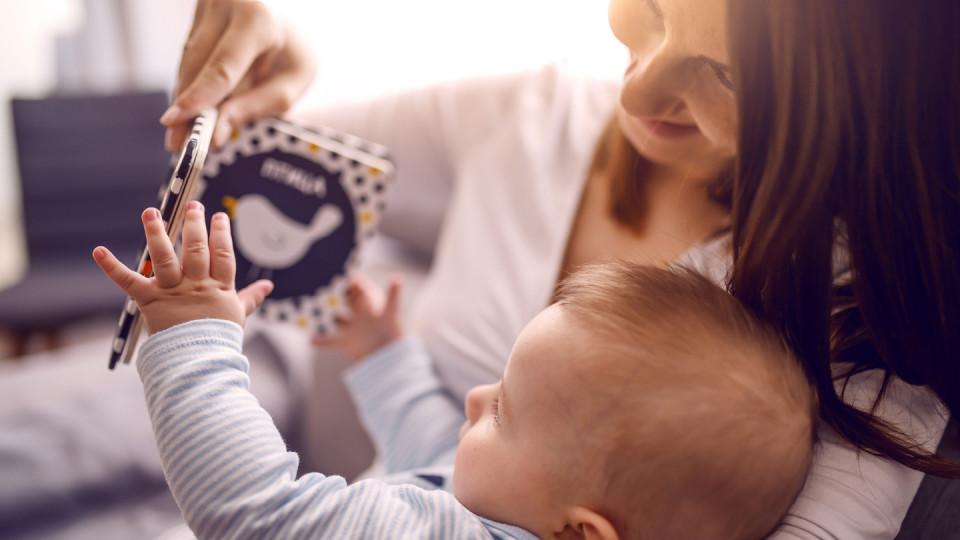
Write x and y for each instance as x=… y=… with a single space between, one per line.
x=21 y=338
x=53 y=338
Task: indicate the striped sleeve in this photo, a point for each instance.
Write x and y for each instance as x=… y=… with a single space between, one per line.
x=412 y=420
x=230 y=472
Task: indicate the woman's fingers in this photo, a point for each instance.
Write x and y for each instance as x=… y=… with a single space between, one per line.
x=166 y=265
x=130 y=282
x=208 y=25
x=285 y=76
x=269 y=98
x=196 y=253
x=254 y=294
x=242 y=57
x=175 y=136
x=251 y=32
x=205 y=31
x=223 y=265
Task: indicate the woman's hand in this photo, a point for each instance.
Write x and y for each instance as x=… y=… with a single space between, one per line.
x=373 y=323
x=202 y=287
x=240 y=57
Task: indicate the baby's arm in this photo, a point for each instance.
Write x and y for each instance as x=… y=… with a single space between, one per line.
x=230 y=471
x=412 y=420
x=223 y=458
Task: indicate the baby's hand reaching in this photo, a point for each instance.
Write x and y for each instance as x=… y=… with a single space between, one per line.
x=373 y=323
x=202 y=287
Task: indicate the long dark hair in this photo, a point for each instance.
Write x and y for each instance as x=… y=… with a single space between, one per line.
x=849 y=159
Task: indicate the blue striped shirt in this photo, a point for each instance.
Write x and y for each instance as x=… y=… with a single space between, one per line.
x=232 y=476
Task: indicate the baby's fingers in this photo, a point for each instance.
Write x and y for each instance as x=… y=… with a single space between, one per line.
x=196 y=252
x=223 y=265
x=326 y=341
x=131 y=283
x=362 y=296
x=166 y=265
x=390 y=310
x=254 y=295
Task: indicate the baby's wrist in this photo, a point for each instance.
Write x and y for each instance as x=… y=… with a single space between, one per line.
x=377 y=346
x=166 y=313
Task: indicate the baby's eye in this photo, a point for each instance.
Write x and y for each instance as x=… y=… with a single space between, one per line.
x=495 y=409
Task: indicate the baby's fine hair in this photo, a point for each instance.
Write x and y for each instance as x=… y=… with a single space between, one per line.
x=708 y=419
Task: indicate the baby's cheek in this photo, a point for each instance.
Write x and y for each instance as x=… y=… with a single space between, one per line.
x=473 y=474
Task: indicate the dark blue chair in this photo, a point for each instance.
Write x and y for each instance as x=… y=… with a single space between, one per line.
x=88 y=166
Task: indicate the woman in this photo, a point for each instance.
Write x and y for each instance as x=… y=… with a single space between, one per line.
x=811 y=165
x=530 y=204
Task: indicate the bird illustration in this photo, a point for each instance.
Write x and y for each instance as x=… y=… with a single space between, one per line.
x=268 y=238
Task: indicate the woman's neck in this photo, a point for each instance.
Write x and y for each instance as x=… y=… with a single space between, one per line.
x=679 y=200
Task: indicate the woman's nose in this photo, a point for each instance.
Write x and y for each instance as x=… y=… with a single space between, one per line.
x=653 y=84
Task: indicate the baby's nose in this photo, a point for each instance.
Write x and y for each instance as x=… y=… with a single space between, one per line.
x=474 y=403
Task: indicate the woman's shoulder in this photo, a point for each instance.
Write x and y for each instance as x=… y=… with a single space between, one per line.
x=850 y=493
x=915 y=410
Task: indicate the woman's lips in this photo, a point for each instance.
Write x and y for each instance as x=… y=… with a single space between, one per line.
x=668 y=130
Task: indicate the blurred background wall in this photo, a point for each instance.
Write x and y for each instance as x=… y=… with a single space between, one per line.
x=364 y=48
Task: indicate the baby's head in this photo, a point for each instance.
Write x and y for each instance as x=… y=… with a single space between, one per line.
x=644 y=404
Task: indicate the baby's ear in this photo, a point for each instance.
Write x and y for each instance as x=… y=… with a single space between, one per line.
x=585 y=524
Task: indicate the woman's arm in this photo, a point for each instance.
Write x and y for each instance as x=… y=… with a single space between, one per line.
x=851 y=495
x=432 y=133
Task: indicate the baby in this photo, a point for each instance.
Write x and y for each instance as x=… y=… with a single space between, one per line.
x=643 y=404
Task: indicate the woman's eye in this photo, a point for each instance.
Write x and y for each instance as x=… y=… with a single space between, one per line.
x=722 y=75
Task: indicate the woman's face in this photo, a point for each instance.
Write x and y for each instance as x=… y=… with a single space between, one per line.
x=677 y=101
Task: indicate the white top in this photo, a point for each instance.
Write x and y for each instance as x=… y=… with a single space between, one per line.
x=511 y=155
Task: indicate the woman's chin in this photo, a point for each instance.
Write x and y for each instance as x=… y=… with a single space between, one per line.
x=687 y=150
x=670 y=152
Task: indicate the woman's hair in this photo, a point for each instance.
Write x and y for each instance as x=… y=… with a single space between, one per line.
x=619 y=160
x=846 y=197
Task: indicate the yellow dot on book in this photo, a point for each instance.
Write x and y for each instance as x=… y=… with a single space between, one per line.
x=302 y=321
x=332 y=301
x=375 y=171
x=366 y=217
x=314 y=148
x=234 y=135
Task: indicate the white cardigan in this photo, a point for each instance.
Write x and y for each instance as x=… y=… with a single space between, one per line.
x=511 y=154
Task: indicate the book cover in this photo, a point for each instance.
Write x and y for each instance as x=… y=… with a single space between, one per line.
x=301 y=204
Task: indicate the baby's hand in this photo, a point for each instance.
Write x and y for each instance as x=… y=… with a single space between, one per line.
x=201 y=288
x=372 y=324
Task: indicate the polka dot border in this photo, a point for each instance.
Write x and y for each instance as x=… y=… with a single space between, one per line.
x=365 y=171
